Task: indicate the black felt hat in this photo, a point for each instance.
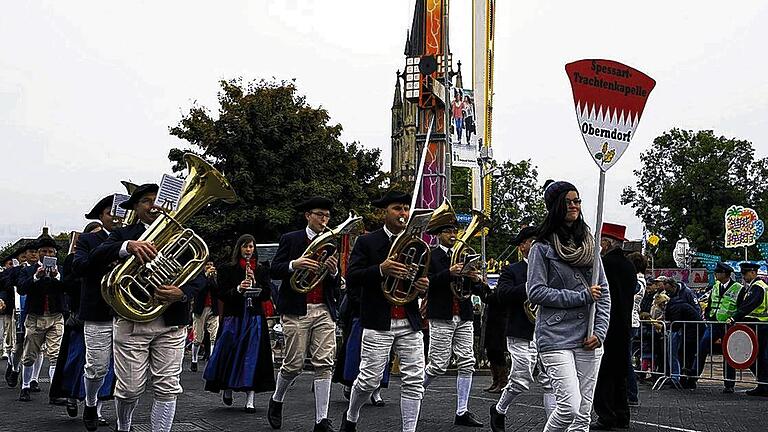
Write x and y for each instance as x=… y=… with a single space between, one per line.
x=722 y=267
x=138 y=193
x=316 y=202
x=95 y=212
x=524 y=234
x=29 y=245
x=747 y=266
x=391 y=197
x=46 y=242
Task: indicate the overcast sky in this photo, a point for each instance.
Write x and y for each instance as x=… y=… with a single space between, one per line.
x=88 y=89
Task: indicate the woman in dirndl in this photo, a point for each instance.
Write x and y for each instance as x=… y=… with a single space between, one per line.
x=242 y=357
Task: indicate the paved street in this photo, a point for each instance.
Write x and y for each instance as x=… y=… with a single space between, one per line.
x=704 y=410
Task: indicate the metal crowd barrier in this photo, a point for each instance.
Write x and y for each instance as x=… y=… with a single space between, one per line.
x=674 y=351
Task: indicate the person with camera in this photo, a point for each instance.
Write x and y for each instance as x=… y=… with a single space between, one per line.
x=42 y=283
x=241 y=359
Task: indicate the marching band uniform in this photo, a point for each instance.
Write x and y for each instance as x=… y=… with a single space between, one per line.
x=10 y=279
x=309 y=320
x=144 y=349
x=511 y=293
x=205 y=316
x=242 y=357
x=385 y=326
x=8 y=315
x=44 y=322
x=451 y=325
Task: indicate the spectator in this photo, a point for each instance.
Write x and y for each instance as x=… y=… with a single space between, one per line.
x=683 y=335
x=640 y=263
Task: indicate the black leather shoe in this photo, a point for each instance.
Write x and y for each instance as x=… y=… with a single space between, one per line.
x=346 y=425
x=90 y=418
x=34 y=387
x=498 y=420
x=103 y=422
x=347 y=392
x=623 y=425
x=325 y=425
x=8 y=370
x=57 y=401
x=249 y=410
x=599 y=425
x=467 y=419
x=227 y=400
x=72 y=407
x=757 y=391
x=24 y=396
x=12 y=379
x=275 y=414
x=377 y=402
x=193 y=367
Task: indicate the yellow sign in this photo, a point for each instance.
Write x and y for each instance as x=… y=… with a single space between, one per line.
x=653 y=239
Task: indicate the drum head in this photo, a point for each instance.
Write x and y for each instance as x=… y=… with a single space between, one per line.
x=740 y=346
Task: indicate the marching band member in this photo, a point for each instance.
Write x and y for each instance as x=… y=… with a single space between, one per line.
x=8 y=315
x=451 y=326
x=98 y=371
x=386 y=326
x=559 y=276
x=519 y=332
x=147 y=349
x=309 y=320
x=45 y=305
x=12 y=277
x=242 y=358
x=205 y=314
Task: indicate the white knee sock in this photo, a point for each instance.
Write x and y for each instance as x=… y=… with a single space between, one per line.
x=427 y=379
x=92 y=388
x=210 y=349
x=36 y=368
x=124 y=410
x=549 y=403
x=409 y=410
x=26 y=375
x=463 y=387
x=283 y=383
x=195 y=350
x=98 y=409
x=249 y=399
x=162 y=415
x=357 y=399
x=505 y=401
x=51 y=371
x=376 y=395
x=322 y=396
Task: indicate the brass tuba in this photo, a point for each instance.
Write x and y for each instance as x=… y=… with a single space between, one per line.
x=464 y=254
x=129 y=287
x=322 y=247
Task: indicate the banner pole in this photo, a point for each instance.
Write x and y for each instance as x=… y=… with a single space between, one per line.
x=595 y=263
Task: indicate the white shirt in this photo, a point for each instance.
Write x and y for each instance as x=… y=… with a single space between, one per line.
x=35 y=278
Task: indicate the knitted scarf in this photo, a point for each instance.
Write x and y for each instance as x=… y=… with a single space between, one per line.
x=581 y=255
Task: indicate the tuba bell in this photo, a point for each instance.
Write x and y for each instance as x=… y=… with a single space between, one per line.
x=465 y=254
x=412 y=251
x=129 y=287
x=322 y=247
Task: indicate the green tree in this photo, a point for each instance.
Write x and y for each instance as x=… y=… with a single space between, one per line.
x=687 y=181
x=276 y=150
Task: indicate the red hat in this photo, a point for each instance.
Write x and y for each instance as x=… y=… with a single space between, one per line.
x=614 y=231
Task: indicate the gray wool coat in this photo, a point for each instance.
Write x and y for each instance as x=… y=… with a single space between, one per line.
x=563 y=295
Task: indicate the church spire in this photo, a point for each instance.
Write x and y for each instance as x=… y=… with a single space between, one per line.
x=459 y=81
x=398 y=99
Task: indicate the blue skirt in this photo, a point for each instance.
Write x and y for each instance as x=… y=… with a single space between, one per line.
x=70 y=367
x=242 y=356
x=352 y=356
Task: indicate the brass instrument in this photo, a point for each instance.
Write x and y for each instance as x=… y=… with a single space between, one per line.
x=129 y=287
x=130 y=215
x=530 y=310
x=409 y=249
x=251 y=291
x=322 y=247
x=465 y=254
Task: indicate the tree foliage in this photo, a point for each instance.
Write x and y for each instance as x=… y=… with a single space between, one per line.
x=687 y=181
x=276 y=150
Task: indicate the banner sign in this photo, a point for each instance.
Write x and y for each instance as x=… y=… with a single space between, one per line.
x=609 y=98
x=742 y=227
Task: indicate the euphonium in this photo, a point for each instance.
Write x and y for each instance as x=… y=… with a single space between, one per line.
x=464 y=254
x=409 y=249
x=322 y=247
x=129 y=287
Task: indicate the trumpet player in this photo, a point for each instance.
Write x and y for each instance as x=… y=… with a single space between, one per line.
x=386 y=326
x=147 y=351
x=451 y=329
x=511 y=294
x=309 y=319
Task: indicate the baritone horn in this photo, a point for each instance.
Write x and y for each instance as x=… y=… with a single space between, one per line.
x=182 y=254
x=463 y=253
x=322 y=247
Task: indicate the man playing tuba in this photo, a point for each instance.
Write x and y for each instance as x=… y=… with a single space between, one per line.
x=386 y=326
x=308 y=318
x=154 y=348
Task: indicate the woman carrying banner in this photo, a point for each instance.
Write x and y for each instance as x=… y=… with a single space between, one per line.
x=559 y=273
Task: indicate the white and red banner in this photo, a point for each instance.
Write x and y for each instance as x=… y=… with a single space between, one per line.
x=609 y=98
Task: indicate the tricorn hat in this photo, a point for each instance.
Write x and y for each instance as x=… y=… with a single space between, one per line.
x=46 y=242
x=524 y=234
x=316 y=202
x=391 y=197
x=103 y=203
x=138 y=193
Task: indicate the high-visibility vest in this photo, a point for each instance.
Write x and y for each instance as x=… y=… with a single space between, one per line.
x=723 y=307
x=760 y=313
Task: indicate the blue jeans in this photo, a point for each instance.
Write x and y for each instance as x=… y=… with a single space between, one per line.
x=675 y=337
